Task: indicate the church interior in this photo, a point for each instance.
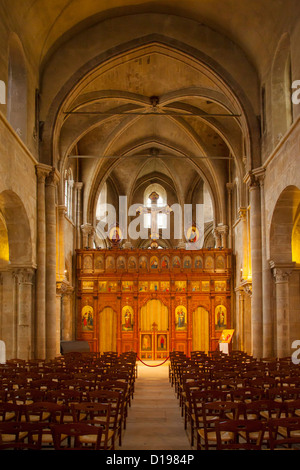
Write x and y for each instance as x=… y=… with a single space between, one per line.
x=150 y=153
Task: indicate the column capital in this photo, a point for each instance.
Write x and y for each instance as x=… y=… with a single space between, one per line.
x=64 y=288
x=62 y=209
x=252 y=180
x=53 y=178
x=78 y=185
x=229 y=187
x=282 y=272
x=260 y=174
x=242 y=213
x=24 y=275
x=42 y=171
x=88 y=229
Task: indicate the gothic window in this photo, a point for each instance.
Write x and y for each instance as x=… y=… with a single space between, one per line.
x=160 y=201
x=69 y=182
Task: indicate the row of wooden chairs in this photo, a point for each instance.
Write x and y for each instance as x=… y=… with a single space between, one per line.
x=30 y=436
x=76 y=395
x=211 y=391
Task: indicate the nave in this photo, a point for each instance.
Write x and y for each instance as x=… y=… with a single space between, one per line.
x=154 y=420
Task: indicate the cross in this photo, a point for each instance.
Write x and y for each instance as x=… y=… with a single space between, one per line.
x=154 y=210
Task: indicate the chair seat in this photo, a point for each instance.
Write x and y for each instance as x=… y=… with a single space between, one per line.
x=283 y=432
x=212 y=437
x=91 y=439
x=6 y=438
x=10 y=415
x=36 y=418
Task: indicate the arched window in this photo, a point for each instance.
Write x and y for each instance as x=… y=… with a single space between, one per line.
x=161 y=201
x=282 y=112
x=102 y=203
x=69 y=183
x=17 y=88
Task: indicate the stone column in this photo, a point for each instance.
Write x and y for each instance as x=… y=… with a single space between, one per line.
x=88 y=233
x=221 y=235
x=62 y=212
x=256 y=261
x=24 y=278
x=282 y=274
x=229 y=187
x=50 y=193
x=217 y=236
x=42 y=172
x=268 y=344
x=66 y=292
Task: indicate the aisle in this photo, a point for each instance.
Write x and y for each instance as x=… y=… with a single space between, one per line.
x=154 y=420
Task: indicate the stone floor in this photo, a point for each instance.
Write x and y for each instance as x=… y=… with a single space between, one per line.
x=154 y=420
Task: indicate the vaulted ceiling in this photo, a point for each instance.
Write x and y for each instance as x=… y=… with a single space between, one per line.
x=124 y=94
x=251 y=24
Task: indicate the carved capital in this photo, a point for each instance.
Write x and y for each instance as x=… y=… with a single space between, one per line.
x=42 y=171
x=53 y=178
x=88 y=229
x=64 y=288
x=242 y=213
x=24 y=275
x=252 y=180
x=282 y=272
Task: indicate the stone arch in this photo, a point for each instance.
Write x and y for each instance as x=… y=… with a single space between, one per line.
x=18 y=229
x=285 y=218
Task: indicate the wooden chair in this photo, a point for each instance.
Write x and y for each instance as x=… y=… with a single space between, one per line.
x=19 y=435
x=213 y=412
x=10 y=412
x=67 y=398
x=284 y=433
x=189 y=414
x=115 y=400
x=25 y=396
x=239 y=434
x=77 y=436
x=97 y=414
x=45 y=413
x=246 y=394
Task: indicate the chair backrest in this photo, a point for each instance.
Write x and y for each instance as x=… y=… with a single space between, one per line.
x=19 y=435
x=77 y=436
x=218 y=410
x=284 y=432
x=45 y=411
x=242 y=434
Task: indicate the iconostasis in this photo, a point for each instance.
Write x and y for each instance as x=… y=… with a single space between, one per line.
x=153 y=301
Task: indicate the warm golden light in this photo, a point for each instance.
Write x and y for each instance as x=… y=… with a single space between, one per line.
x=296 y=241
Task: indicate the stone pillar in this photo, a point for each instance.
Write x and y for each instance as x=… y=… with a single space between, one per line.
x=268 y=343
x=256 y=261
x=229 y=187
x=50 y=193
x=66 y=293
x=62 y=212
x=42 y=172
x=217 y=236
x=282 y=274
x=221 y=235
x=24 y=278
x=88 y=233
